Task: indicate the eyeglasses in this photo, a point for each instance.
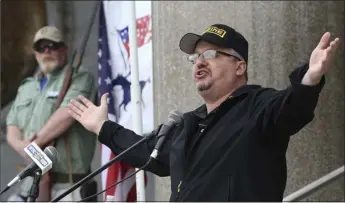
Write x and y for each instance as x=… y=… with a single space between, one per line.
x=209 y=54
x=52 y=46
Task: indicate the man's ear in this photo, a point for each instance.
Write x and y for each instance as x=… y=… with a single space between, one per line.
x=241 y=68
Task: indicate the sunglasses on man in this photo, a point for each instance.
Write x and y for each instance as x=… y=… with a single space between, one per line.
x=51 y=46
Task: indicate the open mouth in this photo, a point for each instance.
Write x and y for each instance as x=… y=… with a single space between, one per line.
x=201 y=74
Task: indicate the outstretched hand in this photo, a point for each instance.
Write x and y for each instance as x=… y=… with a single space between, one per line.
x=89 y=115
x=320 y=59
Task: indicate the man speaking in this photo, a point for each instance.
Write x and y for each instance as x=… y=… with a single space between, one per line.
x=233 y=147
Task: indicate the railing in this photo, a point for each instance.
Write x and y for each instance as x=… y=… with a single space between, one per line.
x=315 y=186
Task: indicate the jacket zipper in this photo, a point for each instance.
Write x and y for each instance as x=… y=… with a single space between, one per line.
x=181 y=181
x=178 y=189
x=180 y=184
x=202 y=132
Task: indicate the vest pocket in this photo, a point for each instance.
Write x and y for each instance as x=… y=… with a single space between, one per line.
x=23 y=104
x=23 y=109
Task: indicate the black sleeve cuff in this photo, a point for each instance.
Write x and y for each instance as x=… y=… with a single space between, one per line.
x=105 y=134
x=305 y=91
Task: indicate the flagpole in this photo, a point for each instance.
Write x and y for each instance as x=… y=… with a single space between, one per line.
x=135 y=93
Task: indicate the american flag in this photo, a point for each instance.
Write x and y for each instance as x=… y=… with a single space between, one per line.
x=125 y=191
x=143 y=33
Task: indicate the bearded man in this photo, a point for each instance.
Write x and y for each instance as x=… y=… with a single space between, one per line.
x=34 y=118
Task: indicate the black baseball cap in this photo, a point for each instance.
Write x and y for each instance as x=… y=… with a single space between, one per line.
x=219 y=35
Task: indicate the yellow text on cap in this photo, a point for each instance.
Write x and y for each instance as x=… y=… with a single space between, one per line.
x=217 y=31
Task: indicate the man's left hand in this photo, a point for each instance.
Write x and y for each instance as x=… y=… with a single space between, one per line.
x=320 y=59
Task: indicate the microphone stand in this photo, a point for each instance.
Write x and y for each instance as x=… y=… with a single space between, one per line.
x=34 y=191
x=93 y=174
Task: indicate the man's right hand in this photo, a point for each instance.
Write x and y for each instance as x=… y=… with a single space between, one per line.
x=16 y=140
x=20 y=146
x=89 y=115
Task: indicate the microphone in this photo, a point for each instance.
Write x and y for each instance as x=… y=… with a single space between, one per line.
x=102 y=168
x=174 y=118
x=41 y=161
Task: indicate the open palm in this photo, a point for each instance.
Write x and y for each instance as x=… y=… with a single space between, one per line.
x=89 y=115
x=322 y=55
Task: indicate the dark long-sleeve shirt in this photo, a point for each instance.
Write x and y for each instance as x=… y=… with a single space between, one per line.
x=236 y=153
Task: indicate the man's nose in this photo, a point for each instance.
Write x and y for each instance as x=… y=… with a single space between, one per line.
x=46 y=50
x=200 y=62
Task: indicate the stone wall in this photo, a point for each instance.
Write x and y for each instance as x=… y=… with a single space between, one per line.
x=281 y=36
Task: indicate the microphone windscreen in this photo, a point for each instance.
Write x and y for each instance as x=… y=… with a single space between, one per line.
x=175 y=116
x=52 y=153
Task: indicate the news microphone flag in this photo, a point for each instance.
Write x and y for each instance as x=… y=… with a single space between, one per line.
x=42 y=160
x=114 y=77
x=39 y=157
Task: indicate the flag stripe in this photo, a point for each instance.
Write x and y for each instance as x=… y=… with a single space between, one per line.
x=109 y=77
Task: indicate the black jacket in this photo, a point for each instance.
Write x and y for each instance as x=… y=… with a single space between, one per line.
x=240 y=155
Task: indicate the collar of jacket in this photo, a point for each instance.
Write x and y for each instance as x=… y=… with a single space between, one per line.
x=201 y=111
